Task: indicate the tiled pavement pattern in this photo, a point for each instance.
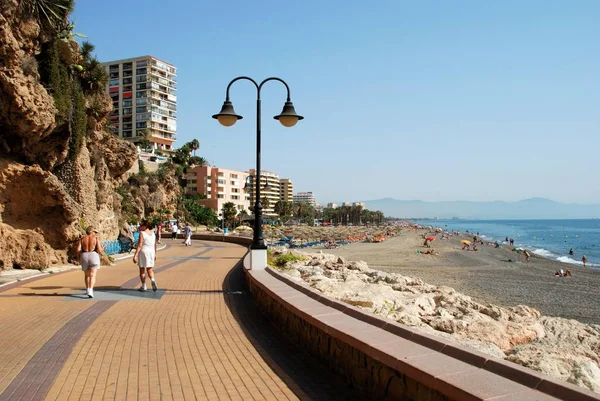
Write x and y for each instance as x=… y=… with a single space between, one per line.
x=203 y=339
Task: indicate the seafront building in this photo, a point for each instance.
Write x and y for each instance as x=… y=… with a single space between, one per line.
x=219 y=186
x=143 y=92
x=270 y=190
x=306 y=197
x=286 y=190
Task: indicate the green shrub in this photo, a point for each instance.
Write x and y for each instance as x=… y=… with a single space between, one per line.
x=282 y=260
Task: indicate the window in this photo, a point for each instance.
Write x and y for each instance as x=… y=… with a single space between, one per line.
x=140 y=78
x=127 y=103
x=127 y=81
x=220 y=196
x=141 y=63
x=114 y=75
x=140 y=95
x=235 y=197
x=141 y=86
x=126 y=110
x=127 y=66
x=191 y=181
x=141 y=109
x=141 y=71
x=235 y=190
x=127 y=119
x=141 y=101
x=127 y=134
x=127 y=88
x=233 y=183
x=113 y=82
x=114 y=67
x=234 y=176
x=141 y=124
x=221 y=182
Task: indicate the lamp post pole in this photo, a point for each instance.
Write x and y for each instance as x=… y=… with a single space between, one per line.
x=287 y=118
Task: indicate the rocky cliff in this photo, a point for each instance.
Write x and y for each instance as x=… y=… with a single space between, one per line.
x=59 y=167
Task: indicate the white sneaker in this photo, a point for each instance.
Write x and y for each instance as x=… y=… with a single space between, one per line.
x=143 y=288
x=91 y=293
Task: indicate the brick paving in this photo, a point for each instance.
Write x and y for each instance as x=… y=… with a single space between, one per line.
x=204 y=339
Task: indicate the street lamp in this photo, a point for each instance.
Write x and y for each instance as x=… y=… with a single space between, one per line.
x=288 y=118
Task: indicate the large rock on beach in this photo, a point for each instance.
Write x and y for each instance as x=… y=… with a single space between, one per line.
x=561 y=348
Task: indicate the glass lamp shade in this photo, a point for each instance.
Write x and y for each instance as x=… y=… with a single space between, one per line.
x=227 y=121
x=227 y=116
x=288 y=116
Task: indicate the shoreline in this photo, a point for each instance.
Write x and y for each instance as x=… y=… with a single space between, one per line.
x=486 y=275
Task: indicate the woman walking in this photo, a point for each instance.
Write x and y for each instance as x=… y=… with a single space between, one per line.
x=89 y=251
x=145 y=254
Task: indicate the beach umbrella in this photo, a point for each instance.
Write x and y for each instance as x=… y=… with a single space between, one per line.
x=466 y=242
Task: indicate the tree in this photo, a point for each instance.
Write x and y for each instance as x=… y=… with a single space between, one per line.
x=229 y=212
x=195 y=145
x=265 y=203
x=198 y=161
x=145 y=143
x=279 y=208
x=199 y=214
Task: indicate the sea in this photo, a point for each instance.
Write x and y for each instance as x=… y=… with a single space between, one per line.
x=549 y=238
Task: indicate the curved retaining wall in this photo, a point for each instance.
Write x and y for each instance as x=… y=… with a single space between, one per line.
x=389 y=361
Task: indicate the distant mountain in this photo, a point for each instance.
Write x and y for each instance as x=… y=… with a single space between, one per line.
x=534 y=208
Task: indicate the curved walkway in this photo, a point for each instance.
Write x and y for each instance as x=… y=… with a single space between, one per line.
x=200 y=337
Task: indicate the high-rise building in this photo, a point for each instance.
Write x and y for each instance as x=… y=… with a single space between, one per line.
x=332 y=205
x=219 y=186
x=143 y=92
x=306 y=197
x=286 y=190
x=269 y=191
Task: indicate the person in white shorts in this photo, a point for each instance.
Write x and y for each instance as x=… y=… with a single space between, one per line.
x=145 y=254
x=89 y=251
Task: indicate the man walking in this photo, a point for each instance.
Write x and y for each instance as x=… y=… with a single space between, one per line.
x=188 y=234
x=174 y=230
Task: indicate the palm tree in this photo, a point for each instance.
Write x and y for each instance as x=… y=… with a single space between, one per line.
x=265 y=203
x=279 y=208
x=195 y=145
x=229 y=212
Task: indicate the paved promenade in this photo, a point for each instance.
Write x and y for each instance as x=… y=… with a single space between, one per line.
x=199 y=337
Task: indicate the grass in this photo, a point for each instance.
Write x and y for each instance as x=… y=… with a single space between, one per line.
x=280 y=261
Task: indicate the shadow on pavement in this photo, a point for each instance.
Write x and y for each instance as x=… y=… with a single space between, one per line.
x=302 y=373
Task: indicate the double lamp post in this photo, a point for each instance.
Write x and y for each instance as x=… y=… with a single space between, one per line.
x=288 y=118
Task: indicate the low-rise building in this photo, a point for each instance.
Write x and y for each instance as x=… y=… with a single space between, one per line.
x=306 y=197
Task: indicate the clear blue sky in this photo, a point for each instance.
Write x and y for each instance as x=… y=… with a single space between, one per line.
x=431 y=100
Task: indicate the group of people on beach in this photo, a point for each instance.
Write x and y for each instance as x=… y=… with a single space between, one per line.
x=89 y=250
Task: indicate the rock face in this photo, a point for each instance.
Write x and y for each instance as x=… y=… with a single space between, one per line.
x=46 y=196
x=561 y=348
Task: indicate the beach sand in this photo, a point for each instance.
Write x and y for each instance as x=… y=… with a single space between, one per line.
x=486 y=275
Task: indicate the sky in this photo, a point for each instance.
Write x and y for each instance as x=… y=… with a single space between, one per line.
x=429 y=100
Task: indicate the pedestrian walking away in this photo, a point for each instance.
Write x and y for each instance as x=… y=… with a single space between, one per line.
x=145 y=254
x=174 y=230
x=188 y=235
x=89 y=250
x=584 y=260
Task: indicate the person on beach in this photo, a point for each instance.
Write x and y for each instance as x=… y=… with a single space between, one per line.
x=188 y=235
x=146 y=251
x=584 y=260
x=89 y=251
x=571 y=251
x=527 y=256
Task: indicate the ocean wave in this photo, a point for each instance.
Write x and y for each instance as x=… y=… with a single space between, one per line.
x=566 y=259
x=543 y=252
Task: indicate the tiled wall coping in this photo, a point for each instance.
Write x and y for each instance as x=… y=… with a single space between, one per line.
x=456 y=372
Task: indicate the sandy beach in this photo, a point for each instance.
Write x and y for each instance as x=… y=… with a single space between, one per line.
x=486 y=275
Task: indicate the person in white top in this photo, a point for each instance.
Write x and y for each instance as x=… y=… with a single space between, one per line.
x=174 y=230
x=145 y=254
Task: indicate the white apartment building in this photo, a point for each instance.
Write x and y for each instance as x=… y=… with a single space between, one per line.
x=362 y=204
x=143 y=92
x=219 y=186
x=332 y=205
x=269 y=189
x=306 y=197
